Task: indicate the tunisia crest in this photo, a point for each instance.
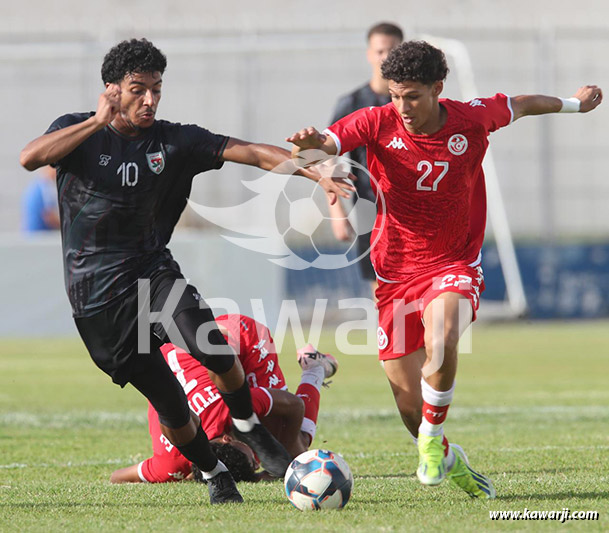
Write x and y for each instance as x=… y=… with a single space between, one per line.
x=457 y=144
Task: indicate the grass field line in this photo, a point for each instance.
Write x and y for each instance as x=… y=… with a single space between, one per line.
x=73 y=418
x=69 y=464
x=588 y=411
x=69 y=419
x=528 y=449
x=360 y=455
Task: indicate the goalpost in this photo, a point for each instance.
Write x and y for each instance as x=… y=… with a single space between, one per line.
x=515 y=304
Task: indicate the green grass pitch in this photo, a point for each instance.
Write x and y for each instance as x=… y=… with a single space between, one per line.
x=531 y=410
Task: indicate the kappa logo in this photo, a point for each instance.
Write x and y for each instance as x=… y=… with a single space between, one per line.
x=397 y=143
x=476 y=103
x=104 y=160
x=156 y=162
x=383 y=340
x=457 y=144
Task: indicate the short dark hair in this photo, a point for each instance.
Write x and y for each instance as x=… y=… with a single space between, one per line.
x=236 y=461
x=386 y=28
x=132 y=56
x=415 y=61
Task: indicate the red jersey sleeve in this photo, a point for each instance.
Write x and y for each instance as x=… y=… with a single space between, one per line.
x=356 y=129
x=262 y=402
x=493 y=113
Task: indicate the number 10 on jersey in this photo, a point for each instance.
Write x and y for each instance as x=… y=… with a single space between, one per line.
x=129 y=174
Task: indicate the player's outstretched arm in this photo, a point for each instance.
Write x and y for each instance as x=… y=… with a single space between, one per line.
x=276 y=159
x=51 y=147
x=310 y=139
x=125 y=475
x=584 y=100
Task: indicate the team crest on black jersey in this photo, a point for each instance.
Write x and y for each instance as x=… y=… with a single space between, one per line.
x=156 y=162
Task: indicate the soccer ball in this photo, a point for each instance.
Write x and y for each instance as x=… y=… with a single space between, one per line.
x=318 y=479
x=307 y=228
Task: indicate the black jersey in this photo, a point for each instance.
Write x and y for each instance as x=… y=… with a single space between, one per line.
x=358 y=99
x=119 y=199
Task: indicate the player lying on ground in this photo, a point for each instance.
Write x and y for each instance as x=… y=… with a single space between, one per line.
x=426 y=154
x=292 y=418
x=123 y=179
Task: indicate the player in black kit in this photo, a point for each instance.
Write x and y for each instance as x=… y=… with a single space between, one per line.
x=123 y=178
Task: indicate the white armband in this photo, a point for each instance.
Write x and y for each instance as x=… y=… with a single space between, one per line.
x=570 y=105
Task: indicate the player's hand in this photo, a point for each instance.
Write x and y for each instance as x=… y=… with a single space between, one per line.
x=590 y=97
x=307 y=138
x=333 y=185
x=108 y=104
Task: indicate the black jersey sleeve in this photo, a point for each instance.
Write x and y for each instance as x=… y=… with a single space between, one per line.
x=205 y=148
x=72 y=159
x=344 y=107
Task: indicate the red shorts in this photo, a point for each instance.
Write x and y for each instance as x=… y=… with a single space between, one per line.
x=401 y=306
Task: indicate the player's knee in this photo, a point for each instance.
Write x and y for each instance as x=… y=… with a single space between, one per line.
x=175 y=419
x=445 y=343
x=213 y=353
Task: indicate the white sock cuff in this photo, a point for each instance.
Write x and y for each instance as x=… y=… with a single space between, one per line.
x=431 y=430
x=220 y=467
x=435 y=397
x=313 y=376
x=309 y=427
x=246 y=425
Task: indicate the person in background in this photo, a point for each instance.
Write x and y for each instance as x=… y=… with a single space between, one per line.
x=39 y=204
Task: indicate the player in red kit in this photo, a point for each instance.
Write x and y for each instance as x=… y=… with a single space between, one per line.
x=426 y=154
x=292 y=418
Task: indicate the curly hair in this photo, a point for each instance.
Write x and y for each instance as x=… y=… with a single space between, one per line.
x=132 y=56
x=236 y=461
x=415 y=61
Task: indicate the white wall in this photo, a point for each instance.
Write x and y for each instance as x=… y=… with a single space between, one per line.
x=260 y=71
x=34 y=302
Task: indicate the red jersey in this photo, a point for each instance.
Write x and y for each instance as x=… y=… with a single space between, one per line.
x=256 y=350
x=434 y=212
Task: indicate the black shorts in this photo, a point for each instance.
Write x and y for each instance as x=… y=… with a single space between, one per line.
x=111 y=336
